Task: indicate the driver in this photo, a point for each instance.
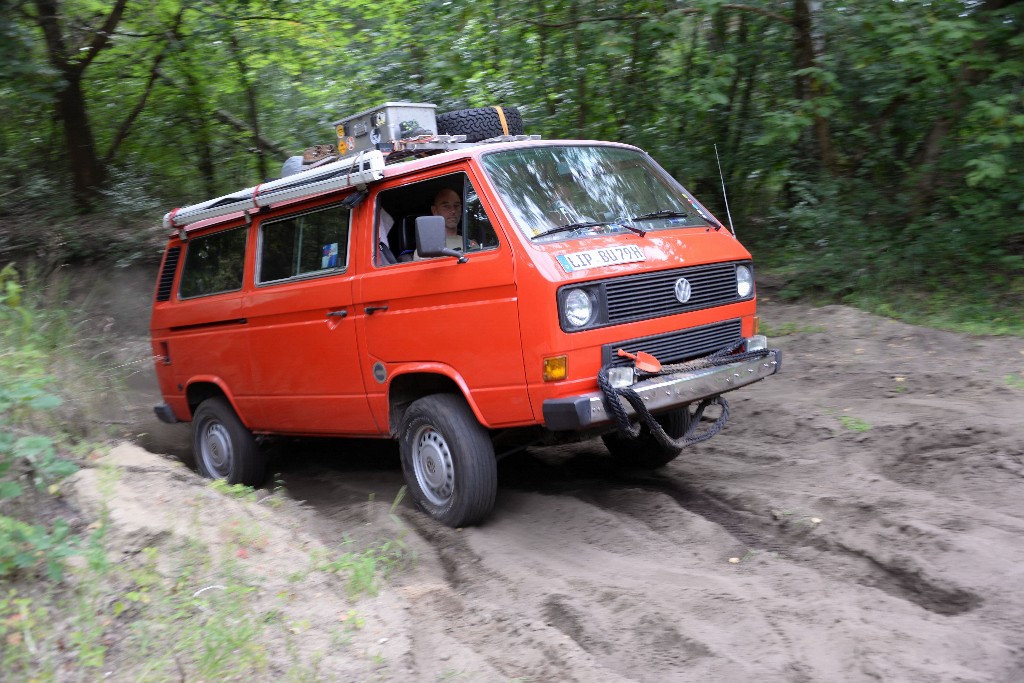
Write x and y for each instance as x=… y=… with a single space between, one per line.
x=448 y=205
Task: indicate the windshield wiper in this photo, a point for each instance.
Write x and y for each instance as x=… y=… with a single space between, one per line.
x=574 y=226
x=708 y=218
x=670 y=213
x=664 y=213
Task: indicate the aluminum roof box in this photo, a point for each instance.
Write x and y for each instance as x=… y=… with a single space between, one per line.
x=379 y=127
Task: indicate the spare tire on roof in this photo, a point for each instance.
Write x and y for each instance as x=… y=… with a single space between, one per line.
x=480 y=123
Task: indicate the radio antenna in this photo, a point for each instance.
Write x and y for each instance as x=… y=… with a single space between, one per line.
x=725 y=195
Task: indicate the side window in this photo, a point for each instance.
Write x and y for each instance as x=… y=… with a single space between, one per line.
x=306 y=244
x=214 y=263
x=479 y=232
x=468 y=227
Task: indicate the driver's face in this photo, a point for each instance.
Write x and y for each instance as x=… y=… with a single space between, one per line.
x=448 y=205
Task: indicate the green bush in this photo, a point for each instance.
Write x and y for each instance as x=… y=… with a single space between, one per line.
x=28 y=456
x=834 y=244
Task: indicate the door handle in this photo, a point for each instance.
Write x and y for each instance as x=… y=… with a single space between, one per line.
x=338 y=314
x=370 y=310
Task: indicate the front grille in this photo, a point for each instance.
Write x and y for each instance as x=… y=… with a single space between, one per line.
x=651 y=295
x=676 y=347
x=163 y=286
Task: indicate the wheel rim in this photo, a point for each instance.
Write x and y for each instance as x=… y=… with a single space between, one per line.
x=216 y=449
x=432 y=463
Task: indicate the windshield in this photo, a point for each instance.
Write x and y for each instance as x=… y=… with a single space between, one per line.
x=558 y=193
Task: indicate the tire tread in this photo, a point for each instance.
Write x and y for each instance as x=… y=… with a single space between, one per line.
x=250 y=465
x=477 y=469
x=480 y=123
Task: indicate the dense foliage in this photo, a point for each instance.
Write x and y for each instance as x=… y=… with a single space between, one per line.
x=869 y=148
x=28 y=454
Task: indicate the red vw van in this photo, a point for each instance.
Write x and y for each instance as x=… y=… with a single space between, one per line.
x=573 y=290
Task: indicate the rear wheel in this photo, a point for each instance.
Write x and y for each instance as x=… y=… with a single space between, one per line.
x=448 y=460
x=646 y=451
x=481 y=123
x=223 y=447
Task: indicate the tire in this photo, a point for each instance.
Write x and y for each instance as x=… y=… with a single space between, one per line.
x=448 y=460
x=223 y=447
x=479 y=124
x=646 y=452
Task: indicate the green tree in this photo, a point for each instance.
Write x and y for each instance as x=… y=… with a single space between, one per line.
x=869 y=145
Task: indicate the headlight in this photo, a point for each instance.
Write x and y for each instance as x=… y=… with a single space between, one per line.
x=578 y=308
x=744 y=281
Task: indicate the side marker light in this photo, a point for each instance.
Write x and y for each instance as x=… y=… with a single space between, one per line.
x=556 y=369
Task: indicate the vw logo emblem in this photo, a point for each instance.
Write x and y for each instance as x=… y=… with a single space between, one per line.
x=683 y=290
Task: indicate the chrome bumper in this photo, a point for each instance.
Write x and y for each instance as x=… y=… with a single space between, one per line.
x=661 y=393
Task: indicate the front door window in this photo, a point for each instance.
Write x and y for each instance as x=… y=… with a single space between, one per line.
x=468 y=228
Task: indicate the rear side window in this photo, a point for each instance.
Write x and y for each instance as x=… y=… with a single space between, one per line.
x=166 y=282
x=214 y=263
x=306 y=244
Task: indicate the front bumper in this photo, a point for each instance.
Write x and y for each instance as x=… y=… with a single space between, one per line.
x=662 y=393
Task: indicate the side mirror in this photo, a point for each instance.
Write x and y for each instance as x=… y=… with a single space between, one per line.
x=430 y=238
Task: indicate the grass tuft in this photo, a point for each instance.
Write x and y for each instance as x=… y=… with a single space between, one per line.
x=854 y=424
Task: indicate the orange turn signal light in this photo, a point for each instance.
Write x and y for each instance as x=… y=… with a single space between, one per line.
x=556 y=368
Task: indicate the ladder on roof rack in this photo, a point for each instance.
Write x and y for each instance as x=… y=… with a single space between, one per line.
x=352 y=171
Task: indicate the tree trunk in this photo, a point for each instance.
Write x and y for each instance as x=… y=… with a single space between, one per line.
x=927 y=157
x=251 y=106
x=729 y=120
x=687 y=75
x=808 y=87
x=543 y=70
x=87 y=170
x=580 y=69
x=201 y=125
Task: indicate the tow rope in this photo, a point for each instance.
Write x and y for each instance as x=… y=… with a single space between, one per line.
x=613 y=399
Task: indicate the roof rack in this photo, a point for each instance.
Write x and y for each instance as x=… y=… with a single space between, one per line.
x=403 y=150
x=353 y=171
x=443 y=143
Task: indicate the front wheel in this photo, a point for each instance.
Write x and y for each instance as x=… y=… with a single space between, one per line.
x=448 y=460
x=646 y=451
x=223 y=447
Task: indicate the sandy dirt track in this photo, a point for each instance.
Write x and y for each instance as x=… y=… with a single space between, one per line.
x=861 y=518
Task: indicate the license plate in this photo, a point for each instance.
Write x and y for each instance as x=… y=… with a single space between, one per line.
x=598 y=258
